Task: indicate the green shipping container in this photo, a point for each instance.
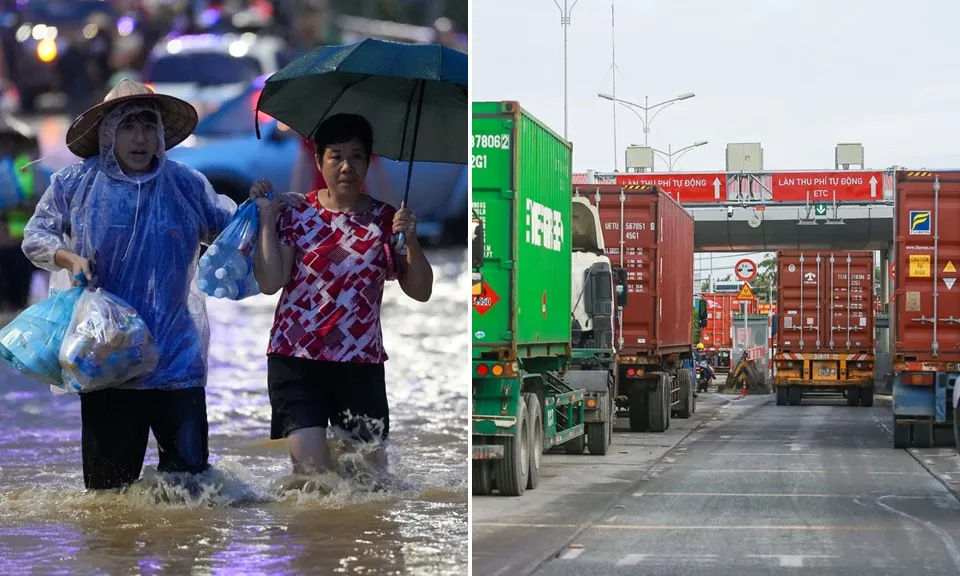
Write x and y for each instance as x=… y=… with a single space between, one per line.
x=522 y=181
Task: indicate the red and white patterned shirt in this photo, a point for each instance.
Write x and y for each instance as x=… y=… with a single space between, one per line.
x=330 y=308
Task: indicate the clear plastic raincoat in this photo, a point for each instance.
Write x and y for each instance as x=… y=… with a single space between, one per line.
x=146 y=229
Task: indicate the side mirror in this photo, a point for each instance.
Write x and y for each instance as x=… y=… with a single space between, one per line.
x=620 y=286
x=702 y=315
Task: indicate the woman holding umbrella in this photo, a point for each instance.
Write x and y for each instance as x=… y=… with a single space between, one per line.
x=331 y=255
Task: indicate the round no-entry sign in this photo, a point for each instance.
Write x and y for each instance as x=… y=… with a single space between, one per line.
x=745 y=270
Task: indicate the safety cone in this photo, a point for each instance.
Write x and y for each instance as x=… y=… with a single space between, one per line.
x=744 y=393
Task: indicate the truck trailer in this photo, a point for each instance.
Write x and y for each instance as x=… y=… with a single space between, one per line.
x=650 y=236
x=925 y=317
x=717 y=335
x=826 y=339
x=543 y=301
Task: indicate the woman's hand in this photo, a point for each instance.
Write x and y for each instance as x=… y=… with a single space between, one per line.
x=404 y=220
x=266 y=199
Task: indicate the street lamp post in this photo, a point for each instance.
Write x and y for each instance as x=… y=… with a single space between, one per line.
x=646 y=107
x=670 y=153
x=565 y=12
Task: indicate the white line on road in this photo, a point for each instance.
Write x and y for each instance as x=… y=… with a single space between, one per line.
x=631 y=559
x=572 y=554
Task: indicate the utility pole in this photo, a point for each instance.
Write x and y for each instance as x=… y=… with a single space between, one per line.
x=565 y=13
x=613 y=44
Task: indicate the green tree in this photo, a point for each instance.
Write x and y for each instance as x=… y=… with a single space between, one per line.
x=765 y=284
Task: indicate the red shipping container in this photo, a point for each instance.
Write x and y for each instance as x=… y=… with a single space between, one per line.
x=927 y=257
x=650 y=235
x=721 y=306
x=825 y=301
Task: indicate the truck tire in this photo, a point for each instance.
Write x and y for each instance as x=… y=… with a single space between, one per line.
x=638 y=400
x=535 y=449
x=598 y=437
x=901 y=435
x=794 y=395
x=482 y=478
x=853 y=396
x=576 y=446
x=658 y=401
x=866 y=396
x=685 y=382
x=782 y=395
x=513 y=469
x=956 y=429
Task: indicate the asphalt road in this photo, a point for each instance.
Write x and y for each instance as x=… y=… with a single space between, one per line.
x=745 y=488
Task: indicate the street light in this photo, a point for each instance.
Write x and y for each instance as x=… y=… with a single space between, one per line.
x=670 y=153
x=565 y=12
x=646 y=107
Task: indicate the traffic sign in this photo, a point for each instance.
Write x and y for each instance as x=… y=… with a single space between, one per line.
x=684 y=188
x=746 y=294
x=820 y=209
x=745 y=270
x=893 y=270
x=842 y=185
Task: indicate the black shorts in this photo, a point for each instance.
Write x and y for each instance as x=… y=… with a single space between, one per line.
x=116 y=426
x=307 y=393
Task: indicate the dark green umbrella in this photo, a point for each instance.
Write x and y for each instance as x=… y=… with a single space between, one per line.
x=414 y=95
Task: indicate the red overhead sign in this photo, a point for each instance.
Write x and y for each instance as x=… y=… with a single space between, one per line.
x=820 y=187
x=685 y=187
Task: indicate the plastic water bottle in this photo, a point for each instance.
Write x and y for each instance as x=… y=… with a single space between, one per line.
x=213 y=250
x=232 y=290
x=202 y=284
x=236 y=268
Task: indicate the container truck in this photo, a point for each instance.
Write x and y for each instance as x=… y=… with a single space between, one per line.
x=650 y=236
x=542 y=309
x=717 y=335
x=925 y=317
x=825 y=340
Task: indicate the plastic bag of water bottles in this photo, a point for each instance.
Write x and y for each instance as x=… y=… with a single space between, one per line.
x=31 y=342
x=106 y=344
x=226 y=269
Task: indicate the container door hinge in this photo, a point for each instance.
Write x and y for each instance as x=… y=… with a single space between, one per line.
x=508 y=265
x=508 y=194
x=506 y=336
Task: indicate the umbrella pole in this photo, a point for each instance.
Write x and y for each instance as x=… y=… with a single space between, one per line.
x=413 y=151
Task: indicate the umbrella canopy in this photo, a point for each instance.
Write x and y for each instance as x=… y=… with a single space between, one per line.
x=391 y=84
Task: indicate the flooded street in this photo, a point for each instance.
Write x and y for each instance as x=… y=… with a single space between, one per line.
x=240 y=523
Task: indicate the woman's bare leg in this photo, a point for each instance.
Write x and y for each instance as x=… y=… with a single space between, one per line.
x=309 y=451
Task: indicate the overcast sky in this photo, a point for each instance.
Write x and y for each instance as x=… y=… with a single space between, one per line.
x=796 y=76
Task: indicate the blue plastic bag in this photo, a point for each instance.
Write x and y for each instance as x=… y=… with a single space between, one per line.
x=11 y=193
x=31 y=342
x=226 y=269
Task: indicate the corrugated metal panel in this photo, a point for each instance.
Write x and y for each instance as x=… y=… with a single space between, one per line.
x=521 y=192
x=926 y=286
x=721 y=306
x=656 y=249
x=825 y=301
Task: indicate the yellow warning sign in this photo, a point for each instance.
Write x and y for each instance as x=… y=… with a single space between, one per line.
x=950 y=267
x=919 y=266
x=746 y=293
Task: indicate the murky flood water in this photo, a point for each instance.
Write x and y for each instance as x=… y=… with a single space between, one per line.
x=239 y=523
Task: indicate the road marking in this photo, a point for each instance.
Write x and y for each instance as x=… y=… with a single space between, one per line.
x=664 y=527
x=748 y=494
x=631 y=559
x=572 y=554
x=693 y=468
x=639 y=494
x=795 y=446
x=767 y=454
x=790 y=560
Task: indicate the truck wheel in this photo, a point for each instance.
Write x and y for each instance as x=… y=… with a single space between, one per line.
x=637 y=405
x=482 y=478
x=923 y=435
x=866 y=396
x=901 y=435
x=658 y=401
x=597 y=438
x=782 y=395
x=535 y=449
x=794 y=395
x=576 y=446
x=853 y=396
x=686 y=395
x=512 y=471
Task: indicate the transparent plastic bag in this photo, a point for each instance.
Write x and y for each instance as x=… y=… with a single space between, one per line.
x=31 y=342
x=226 y=269
x=106 y=344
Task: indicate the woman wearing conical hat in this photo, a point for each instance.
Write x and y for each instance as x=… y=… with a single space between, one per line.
x=145 y=216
